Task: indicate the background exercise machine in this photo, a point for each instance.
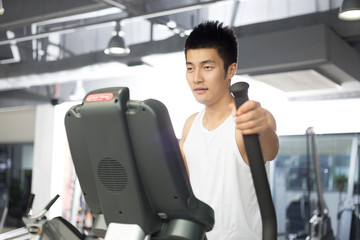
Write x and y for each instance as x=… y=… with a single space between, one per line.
x=348 y=223
x=320 y=224
x=38 y=227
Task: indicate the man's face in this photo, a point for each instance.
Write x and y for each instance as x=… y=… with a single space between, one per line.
x=206 y=75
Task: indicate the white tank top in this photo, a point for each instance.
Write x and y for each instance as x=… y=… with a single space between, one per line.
x=220 y=177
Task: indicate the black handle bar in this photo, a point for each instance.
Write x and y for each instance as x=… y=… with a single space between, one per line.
x=256 y=161
x=48 y=206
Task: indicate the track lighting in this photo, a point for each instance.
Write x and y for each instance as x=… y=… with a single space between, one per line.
x=350 y=10
x=117 y=46
x=2 y=10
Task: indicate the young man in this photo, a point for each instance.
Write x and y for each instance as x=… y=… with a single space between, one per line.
x=212 y=143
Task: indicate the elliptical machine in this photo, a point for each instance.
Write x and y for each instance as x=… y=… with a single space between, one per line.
x=38 y=227
x=320 y=223
x=348 y=217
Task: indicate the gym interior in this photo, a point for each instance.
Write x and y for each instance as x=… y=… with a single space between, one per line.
x=300 y=59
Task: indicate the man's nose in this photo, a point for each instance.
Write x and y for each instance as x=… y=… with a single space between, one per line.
x=198 y=78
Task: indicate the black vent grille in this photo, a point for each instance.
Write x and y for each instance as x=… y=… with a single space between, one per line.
x=112 y=175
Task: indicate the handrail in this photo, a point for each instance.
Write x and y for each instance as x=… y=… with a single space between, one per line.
x=257 y=167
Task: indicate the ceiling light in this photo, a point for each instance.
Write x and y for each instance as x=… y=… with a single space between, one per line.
x=117 y=46
x=171 y=24
x=2 y=10
x=187 y=32
x=176 y=31
x=350 y=10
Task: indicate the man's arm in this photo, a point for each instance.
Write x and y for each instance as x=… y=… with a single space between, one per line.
x=185 y=132
x=251 y=118
x=269 y=140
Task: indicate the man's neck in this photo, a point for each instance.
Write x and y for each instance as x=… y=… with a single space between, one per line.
x=217 y=113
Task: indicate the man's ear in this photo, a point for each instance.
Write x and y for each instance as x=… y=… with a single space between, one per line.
x=232 y=70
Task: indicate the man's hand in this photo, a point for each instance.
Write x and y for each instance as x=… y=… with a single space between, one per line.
x=251 y=118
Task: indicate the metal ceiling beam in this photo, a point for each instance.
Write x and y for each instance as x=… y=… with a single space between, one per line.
x=114 y=3
x=23 y=13
x=23 y=94
x=172 y=44
x=98 y=23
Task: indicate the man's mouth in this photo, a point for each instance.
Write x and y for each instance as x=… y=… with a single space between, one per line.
x=200 y=89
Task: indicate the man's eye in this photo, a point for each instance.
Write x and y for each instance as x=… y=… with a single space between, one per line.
x=208 y=67
x=189 y=69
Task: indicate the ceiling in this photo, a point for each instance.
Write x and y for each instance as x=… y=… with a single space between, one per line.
x=45 y=37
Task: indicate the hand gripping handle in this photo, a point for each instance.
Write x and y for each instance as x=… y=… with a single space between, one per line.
x=256 y=161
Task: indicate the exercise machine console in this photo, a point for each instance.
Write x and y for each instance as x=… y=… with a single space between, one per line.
x=131 y=170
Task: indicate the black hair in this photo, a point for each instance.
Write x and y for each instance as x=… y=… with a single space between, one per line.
x=212 y=34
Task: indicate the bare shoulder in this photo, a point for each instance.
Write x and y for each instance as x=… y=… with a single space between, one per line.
x=185 y=132
x=186 y=128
